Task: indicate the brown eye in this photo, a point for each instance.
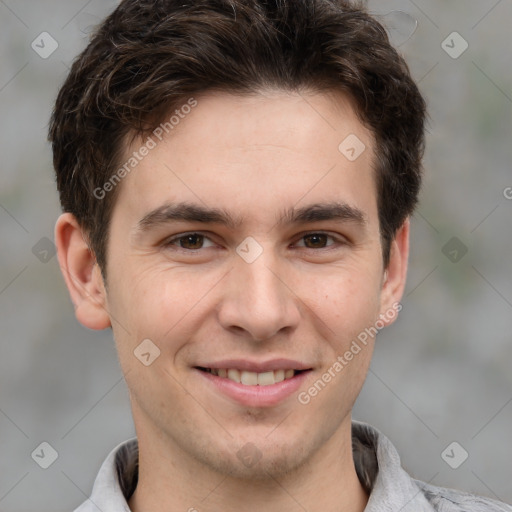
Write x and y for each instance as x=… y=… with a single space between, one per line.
x=316 y=240
x=189 y=241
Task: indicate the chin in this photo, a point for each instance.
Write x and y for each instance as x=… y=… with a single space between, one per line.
x=258 y=459
x=273 y=464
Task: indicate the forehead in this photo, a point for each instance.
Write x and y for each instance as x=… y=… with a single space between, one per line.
x=242 y=150
x=273 y=117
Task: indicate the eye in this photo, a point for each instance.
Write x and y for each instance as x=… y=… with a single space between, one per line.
x=189 y=241
x=319 y=240
x=195 y=241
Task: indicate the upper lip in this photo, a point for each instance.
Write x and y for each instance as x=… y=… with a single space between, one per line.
x=256 y=366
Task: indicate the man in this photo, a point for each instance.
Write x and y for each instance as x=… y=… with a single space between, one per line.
x=237 y=179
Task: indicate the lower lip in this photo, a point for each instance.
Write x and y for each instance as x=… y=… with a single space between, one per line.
x=256 y=396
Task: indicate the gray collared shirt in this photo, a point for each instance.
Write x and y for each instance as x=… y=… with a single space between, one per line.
x=377 y=463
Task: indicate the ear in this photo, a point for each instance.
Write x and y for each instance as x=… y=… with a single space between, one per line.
x=81 y=273
x=395 y=275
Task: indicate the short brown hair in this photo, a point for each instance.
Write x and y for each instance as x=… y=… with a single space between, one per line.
x=150 y=56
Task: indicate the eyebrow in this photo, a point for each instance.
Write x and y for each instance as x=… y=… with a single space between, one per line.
x=188 y=212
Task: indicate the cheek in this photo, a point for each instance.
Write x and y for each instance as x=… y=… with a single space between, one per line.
x=350 y=307
x=163 y=305
x=348 y=301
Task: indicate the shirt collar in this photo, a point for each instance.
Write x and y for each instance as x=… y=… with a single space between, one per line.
x=391 y=487
x=376 y=460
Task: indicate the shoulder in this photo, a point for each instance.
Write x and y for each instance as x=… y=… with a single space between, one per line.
x=451 y=500
x=390 y=487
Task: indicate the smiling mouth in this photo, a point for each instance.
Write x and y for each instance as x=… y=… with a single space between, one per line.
x=252 y=378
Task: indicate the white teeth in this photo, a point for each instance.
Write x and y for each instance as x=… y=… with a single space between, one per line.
x=249 y=378
x=288 y=374
x=266 y=378
x=234 y=375
x=253 y=378
x=278 y=376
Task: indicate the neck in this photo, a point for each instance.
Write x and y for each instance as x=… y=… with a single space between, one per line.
x=170 y=480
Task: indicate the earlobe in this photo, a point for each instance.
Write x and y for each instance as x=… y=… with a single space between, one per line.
x=396 y=272
x=81 y=273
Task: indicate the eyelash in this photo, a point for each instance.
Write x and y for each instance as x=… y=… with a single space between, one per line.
x=171 y=241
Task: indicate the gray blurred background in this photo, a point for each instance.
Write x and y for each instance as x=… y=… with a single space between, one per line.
x=440 y=375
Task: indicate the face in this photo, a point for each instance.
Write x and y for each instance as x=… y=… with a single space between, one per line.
x=247 y=241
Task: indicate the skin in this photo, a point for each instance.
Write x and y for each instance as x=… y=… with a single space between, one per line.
x=301 y=299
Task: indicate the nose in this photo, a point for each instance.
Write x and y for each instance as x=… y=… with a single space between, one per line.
x=258 y=299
